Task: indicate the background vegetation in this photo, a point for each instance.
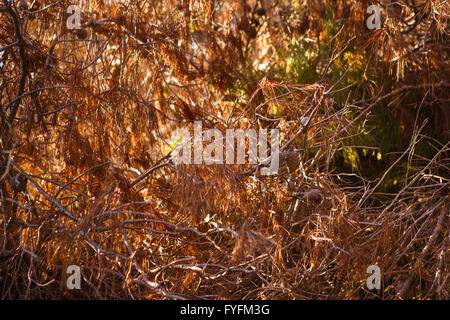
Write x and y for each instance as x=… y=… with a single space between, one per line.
x=86 y=123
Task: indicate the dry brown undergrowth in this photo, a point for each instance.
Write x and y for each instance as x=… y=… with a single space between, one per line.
x=86 y=124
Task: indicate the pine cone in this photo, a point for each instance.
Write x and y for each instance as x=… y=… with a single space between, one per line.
x=312 y=195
